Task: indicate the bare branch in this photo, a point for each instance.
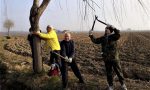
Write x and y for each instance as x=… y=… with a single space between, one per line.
x=43 y=6
x=96 y=4
x=89 y=5
x=142 y=4
x=85 y=11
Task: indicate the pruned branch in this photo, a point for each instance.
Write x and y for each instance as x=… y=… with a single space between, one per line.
x=36 y=3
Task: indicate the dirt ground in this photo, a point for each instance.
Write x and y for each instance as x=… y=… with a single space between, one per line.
x=16 y=64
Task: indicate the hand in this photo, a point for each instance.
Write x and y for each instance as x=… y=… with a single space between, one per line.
x=66 y=59
x=70 y=60
x=110 y=26
x=52 y=66
x=36 y=33
x=90 y=32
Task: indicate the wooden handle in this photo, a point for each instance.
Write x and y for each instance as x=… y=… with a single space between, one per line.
x=60 y=56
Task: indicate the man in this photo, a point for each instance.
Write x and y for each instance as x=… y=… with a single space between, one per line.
x=30 y=39
x=67 y=51
x=110 y=54
x=52 y=42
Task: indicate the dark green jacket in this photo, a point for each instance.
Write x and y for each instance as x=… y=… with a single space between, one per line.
x=109 y=44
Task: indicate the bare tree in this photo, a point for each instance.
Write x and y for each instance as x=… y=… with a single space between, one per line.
x=8 y=24
x=35 y=14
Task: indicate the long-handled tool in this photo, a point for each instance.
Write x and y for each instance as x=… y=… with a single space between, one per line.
x=60 y=56
x=96 y=18
x=101 y=21
x=55 y=70
x=94 y=23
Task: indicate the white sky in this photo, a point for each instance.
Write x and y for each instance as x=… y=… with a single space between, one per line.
x=69 y=14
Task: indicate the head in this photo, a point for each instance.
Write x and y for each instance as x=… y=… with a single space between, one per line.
x=49 y=28
x=67 y=36
x=108 y=31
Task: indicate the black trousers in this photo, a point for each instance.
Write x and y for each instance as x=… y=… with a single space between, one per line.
x=64 y=72
x=54 y=58
x=30 y=39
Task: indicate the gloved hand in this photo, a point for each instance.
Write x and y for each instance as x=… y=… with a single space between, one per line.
x=52 y=66
x=70 y=60
x=110 y=26
x=90 y=32
x=66 y=59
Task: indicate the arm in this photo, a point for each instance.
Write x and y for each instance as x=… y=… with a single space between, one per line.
x=44 y=35
x=63 y=49
x=72 y=51
x=47 y=35
x=116 y=34
x=95 y=40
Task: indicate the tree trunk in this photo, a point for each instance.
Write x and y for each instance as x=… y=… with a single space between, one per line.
x=35 y=14
x=8 y=32
x=37 y=58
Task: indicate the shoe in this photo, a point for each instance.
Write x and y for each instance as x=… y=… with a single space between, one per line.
x=110 y=88
x=123 y=87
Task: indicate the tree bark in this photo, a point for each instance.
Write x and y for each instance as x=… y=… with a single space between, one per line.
x=8 y=32
x=35 y=14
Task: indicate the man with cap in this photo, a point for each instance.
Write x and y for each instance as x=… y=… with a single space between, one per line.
x=52 y=42
x=110 y=54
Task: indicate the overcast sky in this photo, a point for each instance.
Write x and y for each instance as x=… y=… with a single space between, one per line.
x=69 y=14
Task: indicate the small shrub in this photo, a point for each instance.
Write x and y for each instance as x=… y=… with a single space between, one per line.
x=8 y=37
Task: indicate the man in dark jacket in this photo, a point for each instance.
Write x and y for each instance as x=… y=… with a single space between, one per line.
x=110 y=54
x=67 y=51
